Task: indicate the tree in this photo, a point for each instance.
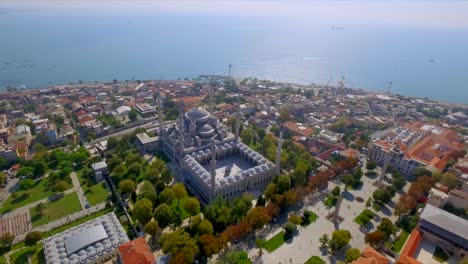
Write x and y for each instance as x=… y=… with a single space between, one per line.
x=258 y=218
x=61 y=186
x=371 y=165
x=382 y=196
x=152 y=228
x=25 y=171
x=387 y=227
x=3 y=177
x=205 y=227
x=398 y=181
x=374 y=238
x=247 y=136
x=133 y=115
x=449 y=179
x=421 y=171
x=179 y=192
x=3 y=163
x=40 y=207
x=284 y=183
x=27 y=184
x=289 y=228
x=163 y=214
x=336 y=191
x=180 y=246
x=405 y=204
x=295 y=219
x=192 y=206
x=32 y=238
x=348 y=179
x=324 y=240
x=142 y=210
x=126 y=186
x=6 y=240
x=210 y=244
x=340 y=238
x=270 y=190
x=134 y=170
x=352 y=254
x=166 y=196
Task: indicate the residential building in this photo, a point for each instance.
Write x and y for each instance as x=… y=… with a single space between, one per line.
x=136 y=251
x=100 y=170
x=146 y=143
x=371 y=256
x=444 y=229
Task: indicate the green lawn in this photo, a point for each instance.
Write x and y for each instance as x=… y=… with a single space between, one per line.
x=21 y=256
x=184 y=213
x=96 y=193
x=400 y=241
x=56 y=209
x=38 y=192
x=315 y=260
x=440 y=255
x=77 y=222
x=2 y=260
x=364 y=217
x=275 y=242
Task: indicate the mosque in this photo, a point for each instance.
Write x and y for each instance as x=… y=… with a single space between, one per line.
x=212 y=161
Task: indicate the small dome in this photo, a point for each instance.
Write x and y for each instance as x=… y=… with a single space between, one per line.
x=197 y=114
x=206 y=130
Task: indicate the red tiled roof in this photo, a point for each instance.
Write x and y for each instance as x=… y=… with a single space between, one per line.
x=136 y=252
x=412 y=244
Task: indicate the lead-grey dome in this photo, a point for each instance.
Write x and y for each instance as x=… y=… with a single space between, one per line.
x=206 y=130
x=197 y=114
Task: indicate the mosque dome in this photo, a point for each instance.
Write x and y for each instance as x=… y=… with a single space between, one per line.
x=197 y=114
x=206 y=130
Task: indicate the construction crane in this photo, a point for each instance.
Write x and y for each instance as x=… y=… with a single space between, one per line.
x=328 y=83
x=341 y=87
x=389 y=87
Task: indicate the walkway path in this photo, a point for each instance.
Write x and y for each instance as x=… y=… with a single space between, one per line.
x=79 y=190
x=64 y=220
x=26 y=208
x=10 y=188
x=57 y=223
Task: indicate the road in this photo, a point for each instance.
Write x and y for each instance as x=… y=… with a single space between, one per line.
x=11 y=187
x=131 y=130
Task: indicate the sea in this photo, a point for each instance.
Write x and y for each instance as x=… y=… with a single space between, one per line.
x=41 y=48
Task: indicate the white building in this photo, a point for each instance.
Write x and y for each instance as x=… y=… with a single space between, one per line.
x=93 y=242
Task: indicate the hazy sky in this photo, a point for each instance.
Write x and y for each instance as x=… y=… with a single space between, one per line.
x=443 y=13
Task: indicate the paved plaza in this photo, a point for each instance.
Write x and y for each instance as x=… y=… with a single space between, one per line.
x=306 y=243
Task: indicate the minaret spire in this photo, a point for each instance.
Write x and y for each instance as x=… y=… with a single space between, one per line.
x=278 y=153
x=213 y=170
x=210 y=105
x=181 y=129
x=238 y=117
x=160 y=116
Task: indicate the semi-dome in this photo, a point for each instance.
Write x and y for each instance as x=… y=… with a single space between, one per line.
x=197 y=114
x=206 y=130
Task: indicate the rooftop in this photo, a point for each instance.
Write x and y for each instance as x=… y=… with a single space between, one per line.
x=136 y=252
x=87 y=242
x=445 y=220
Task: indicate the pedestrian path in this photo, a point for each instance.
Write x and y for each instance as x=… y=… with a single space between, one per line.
x=79 y=190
